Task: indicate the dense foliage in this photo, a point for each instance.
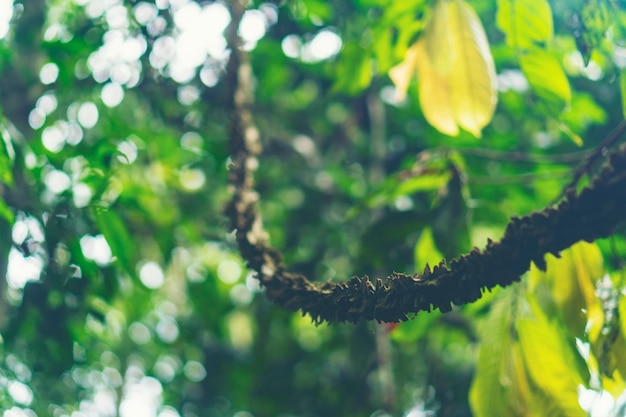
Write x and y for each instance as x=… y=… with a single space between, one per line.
x=125 y=293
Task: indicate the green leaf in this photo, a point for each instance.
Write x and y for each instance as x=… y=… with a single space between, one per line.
x=382 y=49
x=7 y=154
x=622 y=88
x=421 y=183
x=395 y=187
x=618 y=31
x=582 y=112
x=416 y=328
x=592 y=23
x=354 y=69
x=426 y=251
x=318 y=9
x=120 y=241
x=6 y=213
x=500 y=376
x=622 y=315
x=547 y=78
x=387 y=232
x=525 y=23
x=450 y=218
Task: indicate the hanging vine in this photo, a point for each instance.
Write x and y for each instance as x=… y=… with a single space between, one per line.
x=589 y=215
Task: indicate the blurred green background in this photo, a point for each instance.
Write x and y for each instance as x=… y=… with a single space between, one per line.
x=124 y=292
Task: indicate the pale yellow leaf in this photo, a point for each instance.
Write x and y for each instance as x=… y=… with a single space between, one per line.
x=588 y=269
x=550 y=360
x=570 y=282
x=439 y=39
x=615 y=384
x=435 y=97
x=402 y=74
x=571 y=134
x=456 y=73
x=621 y=309
x=473 y=83
x=520 y=401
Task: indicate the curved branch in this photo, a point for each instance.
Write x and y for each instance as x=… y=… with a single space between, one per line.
x=590 y=215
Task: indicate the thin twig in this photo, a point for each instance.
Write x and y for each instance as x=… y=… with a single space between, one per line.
x=526 y=157
x=527 y=178
x=596 y=156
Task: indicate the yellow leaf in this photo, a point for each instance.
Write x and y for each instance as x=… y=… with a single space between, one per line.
x=549 y=359
x=520 y=402
x=457 y=79
x=570 y=283
x=435 y=97
x=572 y=135
x=615 y=366
x=615 y=384
x=439 y=39
x=588 y=269
x=473 y=83
x=621 y=309
x=402 y=73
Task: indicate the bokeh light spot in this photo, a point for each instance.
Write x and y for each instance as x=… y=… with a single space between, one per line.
x=145 y=12
x=49 y=73
x=20 y=392
x=36 y=118
x=22 y=269
x=57 y=181
x=324 y=45
x=53 y=138
x=229 y=271
x=6 y=13
x=151 y=275
x=194 y=371
x=88 y=115
x=192 y=179
x=47 y=103
x=139 y=333
x=81 y=194
x=167 y=330
x=291 y=45
x=253 y=26
x=128 y=151
x=97 y=249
